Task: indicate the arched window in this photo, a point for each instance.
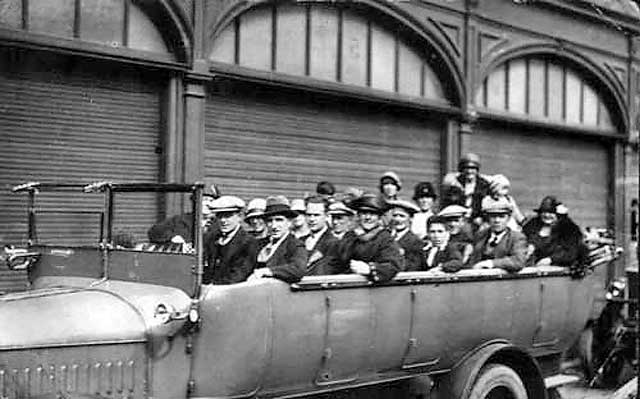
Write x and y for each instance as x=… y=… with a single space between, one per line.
x=332 y=43
x=115 y=23
x=545 y=88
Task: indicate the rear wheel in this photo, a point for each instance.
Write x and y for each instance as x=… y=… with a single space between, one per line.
x=497 y=381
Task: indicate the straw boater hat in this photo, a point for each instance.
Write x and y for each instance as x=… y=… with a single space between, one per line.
x=227 y=203
x=256 y=208
x=298 y=206
x=279 y=205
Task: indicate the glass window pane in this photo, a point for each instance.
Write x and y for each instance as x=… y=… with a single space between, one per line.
x=255 y=39
x=324 y=43
x=496 y=89
x=536 y=88
x=590 y=106
x=382 y=59
x=102 y=21
x=290 y=42
x=432 y=86
x=11 y=13
x=354 y=50
x=410 y=71
x=517 y=86
x=143 y=34
x=224 y=46
x=55 y=17
x=573 y=97
x=556 y=91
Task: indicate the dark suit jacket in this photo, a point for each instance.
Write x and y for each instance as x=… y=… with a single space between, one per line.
x=230 y=263
x=411 y=249
x=510 y=253
x=449 y=259
x=289 y=261
x=379 y=251
x=322 y=259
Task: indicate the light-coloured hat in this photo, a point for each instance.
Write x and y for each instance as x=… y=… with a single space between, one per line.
x=408 y=206
x=492 y=206
x=339 y=208
x=298 y=205
x=497 y=181
x=453 y=211
x=393 y=176
x=227 y=203
x=256 y=208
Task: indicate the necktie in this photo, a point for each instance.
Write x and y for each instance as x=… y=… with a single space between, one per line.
x=494 y=240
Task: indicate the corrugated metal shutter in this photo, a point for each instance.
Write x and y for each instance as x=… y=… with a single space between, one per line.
x=263 y=142
x=575 y=170
x=62 y=119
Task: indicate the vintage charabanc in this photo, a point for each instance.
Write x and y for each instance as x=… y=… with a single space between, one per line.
x=102 y=321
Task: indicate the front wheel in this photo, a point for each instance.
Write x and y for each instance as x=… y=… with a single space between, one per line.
x=497 y=381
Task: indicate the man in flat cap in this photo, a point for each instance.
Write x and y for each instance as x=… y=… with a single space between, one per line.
x=499 y=246
x=460 y=232
x=281 y=255
x=474 y=186
x=230 y=251
x=400 y=213
x=341 y=219
x=424 y=195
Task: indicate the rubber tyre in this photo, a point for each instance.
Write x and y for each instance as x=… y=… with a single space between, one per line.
x=497 y=381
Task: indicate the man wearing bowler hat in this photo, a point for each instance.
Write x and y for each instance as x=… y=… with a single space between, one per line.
x=281 y=255
x=230 y=251
x=424 y=195
x=371 y=251
x=498 y=246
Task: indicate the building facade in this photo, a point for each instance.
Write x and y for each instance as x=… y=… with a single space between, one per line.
x=270 y=97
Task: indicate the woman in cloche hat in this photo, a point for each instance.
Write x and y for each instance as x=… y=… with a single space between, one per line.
x=555 y=239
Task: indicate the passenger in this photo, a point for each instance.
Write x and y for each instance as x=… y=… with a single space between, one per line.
x=299 y=226
x=556 y=239
x=460 y=232
x=254 y=218
x=441 y=253
x=451 y=195
x=230 y=252
x=281 y=255
x=178 y=229
x=400 y=213
x=371 y=252
x=341 y=219
x=326 y=190
x=499 y=246
x=321 y=245
x=474 y=186
x=499 y=188
x=424 y=195
x=390 y=185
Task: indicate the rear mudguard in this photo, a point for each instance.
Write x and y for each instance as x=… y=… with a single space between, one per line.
x=459 y=381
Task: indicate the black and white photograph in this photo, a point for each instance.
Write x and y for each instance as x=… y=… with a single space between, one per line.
x=328 y=199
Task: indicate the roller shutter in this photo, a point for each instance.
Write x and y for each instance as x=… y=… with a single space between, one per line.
x=63 y=119
x=263 y=142
x=575 y=170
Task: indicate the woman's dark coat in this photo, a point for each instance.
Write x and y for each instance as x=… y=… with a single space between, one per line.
x=564 y=245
